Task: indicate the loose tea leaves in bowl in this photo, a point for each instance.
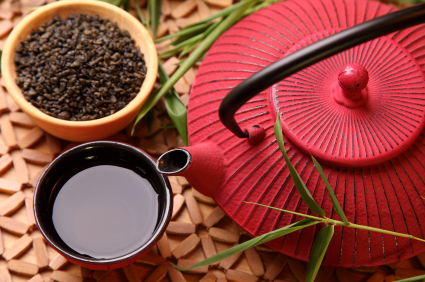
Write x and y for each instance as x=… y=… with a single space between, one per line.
x=80 y=68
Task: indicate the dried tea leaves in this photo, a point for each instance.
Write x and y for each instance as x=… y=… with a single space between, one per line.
x=79 y=68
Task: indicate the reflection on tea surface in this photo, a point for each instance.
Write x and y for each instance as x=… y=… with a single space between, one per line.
x=105 y=211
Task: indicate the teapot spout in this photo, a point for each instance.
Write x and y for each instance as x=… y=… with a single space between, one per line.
x=202 y=165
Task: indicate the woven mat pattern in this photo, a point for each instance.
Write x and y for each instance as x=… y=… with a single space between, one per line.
x=198 y=229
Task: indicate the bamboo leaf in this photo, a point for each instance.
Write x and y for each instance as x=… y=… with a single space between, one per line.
x=254 y=242
x=155 y=12
x=260 y=6
x=188 y=49
x=195 y=55
x=335 y=202
x=139 y=12
x=181 y=46
x=178 y=114
x=150 y=116
x=191 y=43
x=126 y=5
x=299 y=184
x=170 y=53
x=223 y=13
x=148 y=16
x=184 y=33
x=168 y=125
x=417 y=278
x=117 y=3
x=318 y=251
x=175 y=107
x=287 y=211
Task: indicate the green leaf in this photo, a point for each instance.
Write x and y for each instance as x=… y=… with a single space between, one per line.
x=287 y=211
x=126 y=5
x=117 y=3
x=299 y=184
x=188 y=49
x=335 y=202
x=191 y=43
x=410 y=1
x=150 y=116
x=139 y=12
x=168 y=125
x=148 y=16
x=170 y=52
x=196 y=39
x=417 y=278
x=203 y=34
x=178 y=114
x=260 y=6
x=254 y=242
x=184 y=33
x=318 y=251
x=155 y=12
x=196 y=54
x=175 y=107
x=223 y=13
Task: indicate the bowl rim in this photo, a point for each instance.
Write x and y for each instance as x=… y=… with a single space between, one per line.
x=156 y=235
x=15 y=91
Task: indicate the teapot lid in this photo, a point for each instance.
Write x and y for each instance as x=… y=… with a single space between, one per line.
x=359 y=108
x=370 y=141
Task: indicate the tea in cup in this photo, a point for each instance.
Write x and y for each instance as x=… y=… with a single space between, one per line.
x=102 y=204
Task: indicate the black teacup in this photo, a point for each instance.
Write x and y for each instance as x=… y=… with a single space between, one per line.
x=102 y=204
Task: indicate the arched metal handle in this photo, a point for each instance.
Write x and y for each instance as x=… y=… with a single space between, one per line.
x=312 y=54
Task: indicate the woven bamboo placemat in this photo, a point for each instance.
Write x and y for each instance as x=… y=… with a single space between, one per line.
x=198 y=229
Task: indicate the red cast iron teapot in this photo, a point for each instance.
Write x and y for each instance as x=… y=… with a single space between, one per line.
x=359 y=109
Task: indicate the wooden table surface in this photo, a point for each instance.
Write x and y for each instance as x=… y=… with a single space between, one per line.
x=275 y=266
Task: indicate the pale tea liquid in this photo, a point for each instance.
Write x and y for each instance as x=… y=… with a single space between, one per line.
x=105 y=211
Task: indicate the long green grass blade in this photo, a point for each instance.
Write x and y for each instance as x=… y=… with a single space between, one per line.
x=148 y=16
x=139 y=12
x=196 y=54
x=170 y=52
x=417 y=278
x=184 y=33
x=175 y=108
x=150 y=116
x=318 y=251
x=260 y=6
x=188 y=49
x=117 y=3
x=299 y=184
x=334 y=200
x=287 y=211
x=254 y=242
x=178 y=114
x=222 y=13
x=196 y=39
x=155 y=12
x=126 y=5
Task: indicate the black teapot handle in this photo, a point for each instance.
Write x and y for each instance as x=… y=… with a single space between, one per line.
x=310 y=55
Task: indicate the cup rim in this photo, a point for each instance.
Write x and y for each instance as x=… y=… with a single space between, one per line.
x=147 y=245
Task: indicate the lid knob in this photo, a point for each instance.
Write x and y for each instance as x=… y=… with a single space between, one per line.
x=350 y=90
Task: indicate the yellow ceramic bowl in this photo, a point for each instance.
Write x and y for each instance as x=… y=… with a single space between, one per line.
x=81 y=131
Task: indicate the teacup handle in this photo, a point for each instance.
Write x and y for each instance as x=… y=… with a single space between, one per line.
x=310 y=55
